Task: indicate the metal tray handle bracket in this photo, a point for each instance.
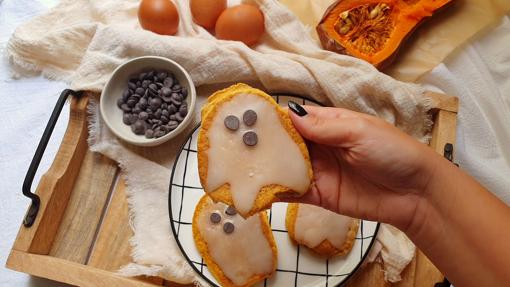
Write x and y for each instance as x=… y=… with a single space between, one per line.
x=36 y=160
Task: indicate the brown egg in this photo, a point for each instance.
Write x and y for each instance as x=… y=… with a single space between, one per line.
x=158 y=16
x=243 y=23
x=206 y=12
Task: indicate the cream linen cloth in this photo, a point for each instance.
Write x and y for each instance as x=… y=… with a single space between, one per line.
x=82 y=42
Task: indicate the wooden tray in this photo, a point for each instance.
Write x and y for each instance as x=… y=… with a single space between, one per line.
x=81 y=232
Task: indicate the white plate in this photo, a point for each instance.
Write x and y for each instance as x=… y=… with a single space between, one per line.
x=297 y=266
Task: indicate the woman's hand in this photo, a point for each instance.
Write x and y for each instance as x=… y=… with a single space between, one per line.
x=363 y=166
x=368 y=169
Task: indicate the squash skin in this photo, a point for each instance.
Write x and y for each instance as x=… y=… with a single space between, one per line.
x=407 y=17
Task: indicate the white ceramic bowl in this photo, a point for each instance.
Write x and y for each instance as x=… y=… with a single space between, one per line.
x=116 y=85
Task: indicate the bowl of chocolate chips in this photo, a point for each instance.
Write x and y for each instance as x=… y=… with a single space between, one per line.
x=148 y=100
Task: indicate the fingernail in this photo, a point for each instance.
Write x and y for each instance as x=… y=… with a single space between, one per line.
x=297 y=109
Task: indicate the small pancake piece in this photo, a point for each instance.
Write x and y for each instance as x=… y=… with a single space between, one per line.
x=249 y=151
x=325 y=232
x=237 y=251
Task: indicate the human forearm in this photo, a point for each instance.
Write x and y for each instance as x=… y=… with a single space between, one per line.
x=463 y=228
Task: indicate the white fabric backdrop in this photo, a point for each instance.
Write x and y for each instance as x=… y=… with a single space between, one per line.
x=479 y=75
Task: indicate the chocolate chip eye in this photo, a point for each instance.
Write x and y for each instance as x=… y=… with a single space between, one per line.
x=215 y=217
x=250 y=138
x=249 y=117
x=230 y=210
x=228 y=227
x=232 y=123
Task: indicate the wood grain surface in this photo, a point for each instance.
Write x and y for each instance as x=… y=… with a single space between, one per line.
x=87 y=203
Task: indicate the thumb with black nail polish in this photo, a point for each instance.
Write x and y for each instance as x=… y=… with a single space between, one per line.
x=297 y=109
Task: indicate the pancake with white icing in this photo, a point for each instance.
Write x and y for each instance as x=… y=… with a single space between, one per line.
x=237 y=251
x=325 y=232
x=249 y=151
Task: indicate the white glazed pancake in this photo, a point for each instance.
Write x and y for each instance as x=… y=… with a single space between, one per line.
x=249 y=152
x=323 y=231
x=237 y=251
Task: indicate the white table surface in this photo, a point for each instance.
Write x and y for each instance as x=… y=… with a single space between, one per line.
x=25 y=107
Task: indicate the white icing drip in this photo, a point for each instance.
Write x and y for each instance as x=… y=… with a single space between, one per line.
x=276 y=159
x=315 y=224
x=241 y=254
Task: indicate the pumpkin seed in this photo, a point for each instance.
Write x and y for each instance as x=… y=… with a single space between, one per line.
x=375 y=12
x=344 y=29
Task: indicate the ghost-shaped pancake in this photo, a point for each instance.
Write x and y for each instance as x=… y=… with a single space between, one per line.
x=325 y=232
x=249 y=152
x=237 y=251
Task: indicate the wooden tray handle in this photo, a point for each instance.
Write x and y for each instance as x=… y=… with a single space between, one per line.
x=39 y=152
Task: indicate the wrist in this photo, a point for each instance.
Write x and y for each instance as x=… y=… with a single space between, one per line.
x=436 y=199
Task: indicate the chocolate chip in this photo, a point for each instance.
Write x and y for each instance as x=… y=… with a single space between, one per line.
x=157 y=114
x=175 y=101
x=228 y=227
x=126 y=94
x=166 y=94
x=135 y=97
x=155 y=103
x=231 y=210
x=249 y=117
x=177 y=97
x=250 y=138
x=142 y=103
x=173 y=123
x=215 y=217
x=172 y=109
x=138 y=127
x=166 y=91
x=125 y=108
x=131 y=102
x=153 y=87
x=183 y=110
x=143 y=116
x=159 y=134
x=172 y=127
x=139 y=91
x=129 y=119
x=178 y=117
x=168 y=82
x=232 y=123
x=162 y=76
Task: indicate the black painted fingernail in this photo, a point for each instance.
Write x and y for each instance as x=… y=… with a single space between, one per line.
x=297 y=109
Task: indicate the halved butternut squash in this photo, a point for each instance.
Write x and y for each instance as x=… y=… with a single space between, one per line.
x=373 y=30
